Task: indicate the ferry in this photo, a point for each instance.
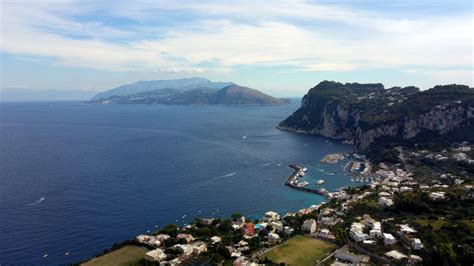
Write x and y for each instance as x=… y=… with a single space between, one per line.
x=320 y=182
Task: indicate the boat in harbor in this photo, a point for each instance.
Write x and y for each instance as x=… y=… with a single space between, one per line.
x=320 y=182
x=303 y=184
x=322 y=191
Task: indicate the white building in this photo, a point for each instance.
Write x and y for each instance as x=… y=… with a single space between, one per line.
x=273 y=238
x=358 y=235
x=155 y=255
x=185 y=249
x=162 y=237
x=189 y=238
x=375 y=233
x=388 y=239
x=416 y=244
x=278 y=226
x=385 y=202
x=215 y=239
x=437 y=195
x=142 y=238
x=309 y=226
x=395 y=254
x=327 y=220
x=357 y=232
x=199 y=247
x=271 y=216
x=406 y=229
x=288 y=230
x=406 y=189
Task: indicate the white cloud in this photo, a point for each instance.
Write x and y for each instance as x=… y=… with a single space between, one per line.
x=236 y=34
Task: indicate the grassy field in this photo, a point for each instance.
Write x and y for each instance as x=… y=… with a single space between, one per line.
x=435 y=223
x=127 y=255
x=300 y=250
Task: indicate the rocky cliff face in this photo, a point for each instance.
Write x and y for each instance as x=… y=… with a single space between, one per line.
x=440 y=121
x=365 y=113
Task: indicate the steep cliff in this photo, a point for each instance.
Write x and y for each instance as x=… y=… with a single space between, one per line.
x=368 y=114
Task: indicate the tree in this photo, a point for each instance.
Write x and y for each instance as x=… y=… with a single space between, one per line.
x=236 y=215
x=223 y=251
x=170 y=229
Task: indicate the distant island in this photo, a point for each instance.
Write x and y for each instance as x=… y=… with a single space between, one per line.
x=191 y=91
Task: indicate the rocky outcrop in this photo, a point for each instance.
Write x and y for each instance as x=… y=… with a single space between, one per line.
x=366 y=114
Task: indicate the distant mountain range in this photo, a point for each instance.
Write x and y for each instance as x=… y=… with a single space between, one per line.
x=153 y=85
x=190 y=91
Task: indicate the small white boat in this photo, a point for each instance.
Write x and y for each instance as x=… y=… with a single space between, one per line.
x=45 y=255
x=66 y=254
x=320 y=182
x=303 y=184
x=322 y=191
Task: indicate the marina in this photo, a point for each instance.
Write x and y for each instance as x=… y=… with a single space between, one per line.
x=355 y=170
x=292 y=181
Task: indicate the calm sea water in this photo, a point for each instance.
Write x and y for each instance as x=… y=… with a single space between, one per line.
x=77 y=178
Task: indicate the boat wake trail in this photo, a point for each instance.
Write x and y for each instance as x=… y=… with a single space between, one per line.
x=37 y=202
x=227 y=175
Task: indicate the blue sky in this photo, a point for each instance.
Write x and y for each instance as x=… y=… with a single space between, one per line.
x=282 y=48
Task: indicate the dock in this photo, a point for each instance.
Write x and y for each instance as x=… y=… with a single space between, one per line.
x=294 y=174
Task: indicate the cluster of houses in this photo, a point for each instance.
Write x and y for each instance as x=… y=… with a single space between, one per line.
x=158 y=254
x=271 y=225
x=370 y=232
x=457 y=154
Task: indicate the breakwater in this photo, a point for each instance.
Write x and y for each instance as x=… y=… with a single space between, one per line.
x=290 y=181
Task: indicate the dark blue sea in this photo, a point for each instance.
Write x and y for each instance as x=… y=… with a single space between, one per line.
x=77 y=177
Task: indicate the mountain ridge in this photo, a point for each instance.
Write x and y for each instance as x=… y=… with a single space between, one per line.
x=372 y=117
x=151 y=85
x=229 y=95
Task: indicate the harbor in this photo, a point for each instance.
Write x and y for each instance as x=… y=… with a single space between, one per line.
x=292 y=181
x=354 y=169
